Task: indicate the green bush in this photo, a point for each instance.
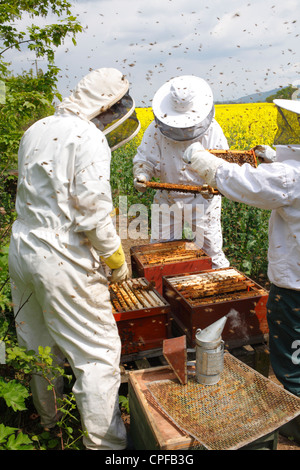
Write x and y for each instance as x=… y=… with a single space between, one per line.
x=245 y=238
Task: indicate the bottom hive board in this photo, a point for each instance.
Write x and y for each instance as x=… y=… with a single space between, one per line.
x=151 y=428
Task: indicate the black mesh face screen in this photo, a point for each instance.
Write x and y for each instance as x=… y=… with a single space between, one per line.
x=119 y=123
x=187 y=133
x=124 y=132
x=288 y=128
x=114 y=114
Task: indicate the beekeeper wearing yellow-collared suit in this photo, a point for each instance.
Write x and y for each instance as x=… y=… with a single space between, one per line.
x=62 y=231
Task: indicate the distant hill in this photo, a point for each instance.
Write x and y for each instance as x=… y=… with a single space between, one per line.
x=255 y=97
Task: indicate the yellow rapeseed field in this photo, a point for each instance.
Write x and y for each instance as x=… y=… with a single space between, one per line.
x=245 y=125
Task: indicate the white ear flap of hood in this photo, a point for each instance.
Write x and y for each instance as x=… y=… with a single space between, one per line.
x=95 y=93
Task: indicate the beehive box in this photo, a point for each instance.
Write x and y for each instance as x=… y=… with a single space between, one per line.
x=142 y=316
x=155 y=260
x=197 y=300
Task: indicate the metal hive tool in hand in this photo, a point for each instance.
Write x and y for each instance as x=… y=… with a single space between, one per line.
x=241 y=408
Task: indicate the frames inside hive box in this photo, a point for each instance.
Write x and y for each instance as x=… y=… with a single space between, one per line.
x=155 y=260
x=199 y=299
x=142 y=316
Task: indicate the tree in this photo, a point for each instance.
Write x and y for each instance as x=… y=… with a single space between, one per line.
x=41 y=39
x=284 y=93
x=26 y=97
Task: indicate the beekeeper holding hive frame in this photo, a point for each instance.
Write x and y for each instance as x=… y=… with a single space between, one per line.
x=184 y=112
x=275 y=186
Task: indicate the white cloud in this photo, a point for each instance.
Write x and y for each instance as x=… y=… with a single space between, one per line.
x=239 y=47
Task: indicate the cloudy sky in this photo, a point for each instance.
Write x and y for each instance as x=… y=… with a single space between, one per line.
x=239 y=47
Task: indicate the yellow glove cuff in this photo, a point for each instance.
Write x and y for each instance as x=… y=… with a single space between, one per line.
x=116 y=260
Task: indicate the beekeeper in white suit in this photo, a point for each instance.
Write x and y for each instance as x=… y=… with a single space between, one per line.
x=273 y=185
x=184 y=113
x=62 y=231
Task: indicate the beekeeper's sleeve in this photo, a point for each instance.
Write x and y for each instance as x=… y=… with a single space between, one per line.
x=91 y=193
x=269 y=186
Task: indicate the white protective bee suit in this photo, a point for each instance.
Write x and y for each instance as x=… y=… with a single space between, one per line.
x=273 y=185
x=184 y=113
x=62 y=229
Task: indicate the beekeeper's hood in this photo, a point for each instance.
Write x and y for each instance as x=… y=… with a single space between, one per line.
x=183 y=107
x=103 y=97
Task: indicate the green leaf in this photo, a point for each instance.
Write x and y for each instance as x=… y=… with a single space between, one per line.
x=21 y=442
x=5 y=431
x=14 y=394
x=27 y=104
x=52 y=443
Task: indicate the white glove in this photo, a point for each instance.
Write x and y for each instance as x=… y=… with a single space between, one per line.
x=139 y=183
x=206 y=194
x=195 y=147
x=265 y=153
x=120 y=274
x=203 y=162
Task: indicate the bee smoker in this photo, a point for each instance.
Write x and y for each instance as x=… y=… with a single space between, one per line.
x=210 y=353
